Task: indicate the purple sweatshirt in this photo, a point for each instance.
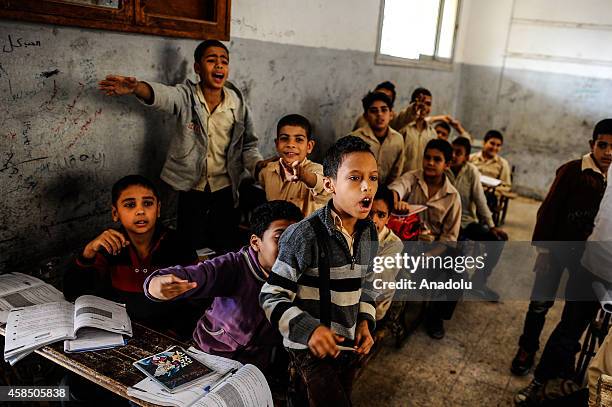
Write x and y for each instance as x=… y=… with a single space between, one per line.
x=234 y=326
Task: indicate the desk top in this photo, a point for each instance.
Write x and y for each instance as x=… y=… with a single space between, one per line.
x=112 y=368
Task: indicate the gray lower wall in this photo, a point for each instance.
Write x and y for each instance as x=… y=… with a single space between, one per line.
x=547 y=119
x=63 y=143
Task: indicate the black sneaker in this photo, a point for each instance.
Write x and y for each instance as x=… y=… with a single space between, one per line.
x=485 y=293
x=522 y=362
x=529 y=395
x=434 y=327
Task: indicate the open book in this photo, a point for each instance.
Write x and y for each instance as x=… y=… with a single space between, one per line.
x=489 y=181
x=231 y=384
x=30 y=328
x=22 y=290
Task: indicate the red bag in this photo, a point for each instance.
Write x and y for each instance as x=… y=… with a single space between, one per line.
x=405 y=227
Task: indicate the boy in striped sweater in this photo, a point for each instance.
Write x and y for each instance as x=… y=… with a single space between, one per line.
x=316 y=294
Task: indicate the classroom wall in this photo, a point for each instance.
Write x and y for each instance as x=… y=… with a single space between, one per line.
x=541 y=72
x=63 y=143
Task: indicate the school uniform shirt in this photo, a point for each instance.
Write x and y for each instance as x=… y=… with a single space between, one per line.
x=234 y=326
x=218 y=126
x=388 y=152
x=414 y=144
x=272 y=179
x=443 y=214
x=569 y=209
x=389 y=245
x=496 y=167
x=119 y=278
x=473 y=201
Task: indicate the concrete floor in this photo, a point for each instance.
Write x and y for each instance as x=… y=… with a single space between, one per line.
x=471 y=365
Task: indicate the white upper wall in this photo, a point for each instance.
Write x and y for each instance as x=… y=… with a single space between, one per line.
x=561 y=36
x=337 y=24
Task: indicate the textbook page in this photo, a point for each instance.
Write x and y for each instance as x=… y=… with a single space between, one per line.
x=90 y=339
x=489 y=181
x=32 y=327
x=149 y=390
x=95 y=312
x=39 y=294
x=247 y=387
x=13 y=282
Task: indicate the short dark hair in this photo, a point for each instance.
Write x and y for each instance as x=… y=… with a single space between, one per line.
x=418 y=92
x=493 y=134
x=441 y=145
x=463 y=142
x=602 y=127
x=336 y=153
x=263 y=216
x=204 y=45
x=372 y=97
x=444 y=125
x=295 y=120
x=131 y=180
x=388 y=86
x=385 y=194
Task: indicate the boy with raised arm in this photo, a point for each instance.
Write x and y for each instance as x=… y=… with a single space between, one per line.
x=214 y=143
x=293 y=177
x=234 y=326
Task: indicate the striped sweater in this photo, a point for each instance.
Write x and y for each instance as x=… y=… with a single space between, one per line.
x=290 y=298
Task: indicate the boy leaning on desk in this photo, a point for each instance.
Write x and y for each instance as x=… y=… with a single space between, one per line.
x=115 y=264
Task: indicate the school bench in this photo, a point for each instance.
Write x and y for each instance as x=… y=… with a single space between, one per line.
x=112 y=368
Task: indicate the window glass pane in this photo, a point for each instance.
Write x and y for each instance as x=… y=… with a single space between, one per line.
x=447 y=30
x=409 y=28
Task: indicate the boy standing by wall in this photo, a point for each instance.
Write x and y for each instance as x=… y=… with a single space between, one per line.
x=294 y=177
x=567 y=215
x=214 y=142
x=386 y=144
x=415 y=129
x=314 y=295
x=388 y=88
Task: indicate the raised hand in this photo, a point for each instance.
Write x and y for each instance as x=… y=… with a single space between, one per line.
x=115 y=85
x=168 y=286
x=110 y=240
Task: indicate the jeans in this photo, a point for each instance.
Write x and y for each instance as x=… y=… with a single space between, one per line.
x=325 y=382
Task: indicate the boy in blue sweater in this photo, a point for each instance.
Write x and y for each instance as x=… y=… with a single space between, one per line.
x=314 y=295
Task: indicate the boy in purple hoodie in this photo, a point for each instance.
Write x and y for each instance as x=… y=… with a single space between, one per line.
x=234 y=326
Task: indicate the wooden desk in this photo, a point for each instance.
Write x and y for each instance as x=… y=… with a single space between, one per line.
x=112 y=368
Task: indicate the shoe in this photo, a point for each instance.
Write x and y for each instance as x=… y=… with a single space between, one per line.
x=435 y=328
x=529 y=395
x=522 y=362
x=485 y=293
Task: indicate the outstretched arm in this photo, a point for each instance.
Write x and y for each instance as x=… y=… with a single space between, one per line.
x=115 y=85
